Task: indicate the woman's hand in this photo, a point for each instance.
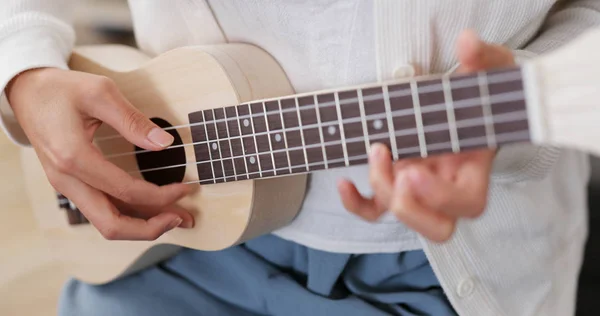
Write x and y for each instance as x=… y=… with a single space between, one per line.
x=60 y=111
x=429 y=195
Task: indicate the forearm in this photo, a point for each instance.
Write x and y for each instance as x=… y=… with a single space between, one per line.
x=33 y=34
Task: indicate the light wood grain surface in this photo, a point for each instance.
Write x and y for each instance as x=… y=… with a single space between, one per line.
x=30 y=281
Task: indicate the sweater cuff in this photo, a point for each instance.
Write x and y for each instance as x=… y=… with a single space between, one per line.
x=26 y=49
x=522 y=162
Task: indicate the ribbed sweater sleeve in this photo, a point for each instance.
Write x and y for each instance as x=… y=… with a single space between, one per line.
x=33 y=34
x=570 y=19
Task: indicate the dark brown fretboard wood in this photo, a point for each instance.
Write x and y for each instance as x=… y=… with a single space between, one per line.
x=312 y=132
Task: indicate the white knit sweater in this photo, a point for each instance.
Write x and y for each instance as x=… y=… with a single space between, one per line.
x=522 y=257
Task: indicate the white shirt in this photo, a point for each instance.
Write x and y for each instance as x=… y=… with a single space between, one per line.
x=521 y=257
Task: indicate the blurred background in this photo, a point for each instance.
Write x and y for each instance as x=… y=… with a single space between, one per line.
x=30 y=281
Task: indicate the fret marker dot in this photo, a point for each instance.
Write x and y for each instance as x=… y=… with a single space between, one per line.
x=377 y=124
x=246 y=123
x=214 y=146
x=277 y=137
x=252 y=160
x=331 y=130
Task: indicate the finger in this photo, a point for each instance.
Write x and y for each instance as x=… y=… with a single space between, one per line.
x=405 y=162
x=108 y=220
x=90 y=167
x=128 y=121
x=474 y=54
x=355 y=203
x=464 y=199
x=381 y=174
x=432 y=225
x=149 y=212
x=473 y=182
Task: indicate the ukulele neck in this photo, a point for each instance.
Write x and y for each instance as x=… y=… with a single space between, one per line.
x=330 y=129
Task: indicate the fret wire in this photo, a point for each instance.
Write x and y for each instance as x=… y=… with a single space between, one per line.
x=218 y=143
x=363 y=120
x=341 y=124
x=208 y=146
x=487 y=109
x=230 y=146
x=237 y=114
x=301 y=133
x=267 y=125
x=389 y=118
x=418 y=118
x=500 y=118
x=472 y=102
x=318 y=163
x=469 y=82
x=255 y=144
x=450 y=113
x=503 y=97
x=283 y=130
x=492 y=78
x=320 y=129
x=473 y=141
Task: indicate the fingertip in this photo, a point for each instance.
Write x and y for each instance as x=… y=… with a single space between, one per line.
x=175 y=222
x=345 y=189
x=378 y=152
x=343 y=182
x=469 y=48
x=188 y=221
x=445 y=230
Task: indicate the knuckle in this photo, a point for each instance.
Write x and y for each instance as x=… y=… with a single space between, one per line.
x=444 y=235
x=98 y=89
x=104 y=84
x=109 y=232
x=134 y=122
x=64 y=160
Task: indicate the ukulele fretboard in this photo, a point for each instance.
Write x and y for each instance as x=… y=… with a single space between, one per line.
x=309 y=132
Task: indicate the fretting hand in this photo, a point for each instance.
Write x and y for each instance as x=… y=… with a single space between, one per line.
x=429 y=195
x=59 y=111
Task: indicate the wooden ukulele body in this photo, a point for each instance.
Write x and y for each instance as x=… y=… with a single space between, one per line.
x=170 y=87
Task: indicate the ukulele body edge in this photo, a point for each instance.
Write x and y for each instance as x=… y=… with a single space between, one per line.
x=170 y=87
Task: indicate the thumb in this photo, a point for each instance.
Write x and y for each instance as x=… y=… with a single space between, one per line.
x=475 y=54
x=132 y=124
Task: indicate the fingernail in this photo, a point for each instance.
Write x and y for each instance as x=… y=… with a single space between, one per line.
x=187 y=225
x=159 y=137
x=176 y=222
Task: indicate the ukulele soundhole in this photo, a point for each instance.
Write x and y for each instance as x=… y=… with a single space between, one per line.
x=166 y=166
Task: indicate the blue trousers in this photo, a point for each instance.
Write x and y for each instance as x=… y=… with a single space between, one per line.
x=267 y=276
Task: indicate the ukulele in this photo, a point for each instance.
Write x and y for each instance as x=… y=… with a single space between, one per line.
x=244 y=136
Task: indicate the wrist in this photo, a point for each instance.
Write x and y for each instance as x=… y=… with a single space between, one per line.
x=18 y=81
